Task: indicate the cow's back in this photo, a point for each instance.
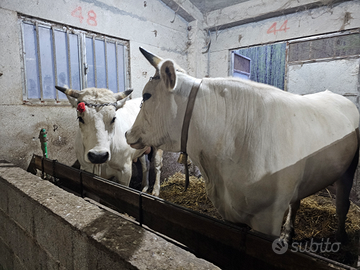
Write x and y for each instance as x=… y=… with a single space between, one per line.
x=267 y=141
x=339 y=103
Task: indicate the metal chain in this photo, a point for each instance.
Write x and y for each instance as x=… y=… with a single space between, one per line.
x=99 y=105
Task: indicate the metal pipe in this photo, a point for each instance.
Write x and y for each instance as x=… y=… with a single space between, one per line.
x=39 y=60
x=106 y=65
x=69 y=57
x=55 y=63
x=117 y=67
x=95 y=67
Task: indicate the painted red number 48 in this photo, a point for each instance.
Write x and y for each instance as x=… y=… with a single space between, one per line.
x=91 y=20
x=273 y=29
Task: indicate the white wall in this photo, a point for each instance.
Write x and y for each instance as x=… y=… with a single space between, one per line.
x=336 y=76
x=130 y=20
x=326 y=19
x=156 y=27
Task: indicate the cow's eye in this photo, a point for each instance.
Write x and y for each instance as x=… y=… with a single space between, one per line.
x=113 y=120
x=81 y=119
x=146 y=96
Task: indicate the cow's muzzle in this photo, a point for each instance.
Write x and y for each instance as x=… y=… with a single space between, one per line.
x=136 y=145
x=98 y=158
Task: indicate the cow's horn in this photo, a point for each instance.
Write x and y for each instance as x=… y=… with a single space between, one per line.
x=69 y=92
x=122 y=95
x=152 y=58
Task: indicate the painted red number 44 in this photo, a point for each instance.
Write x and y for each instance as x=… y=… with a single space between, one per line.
x=273 y=28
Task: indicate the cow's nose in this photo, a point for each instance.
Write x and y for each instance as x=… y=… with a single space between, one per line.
x=98 y=158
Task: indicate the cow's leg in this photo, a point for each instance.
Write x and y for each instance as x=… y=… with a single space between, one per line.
x=343 y=188
x=268 y=222
x=158 y=158
x=288 y=228
x=123 y=175
x=145 y=173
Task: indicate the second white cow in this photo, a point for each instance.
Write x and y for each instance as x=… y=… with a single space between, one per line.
x=100 y=143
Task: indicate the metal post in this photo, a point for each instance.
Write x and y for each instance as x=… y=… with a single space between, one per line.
x=43 y=140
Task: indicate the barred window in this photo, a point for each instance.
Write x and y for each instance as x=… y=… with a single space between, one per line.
x=325 y=48
x=60 y=55
x=267 y=63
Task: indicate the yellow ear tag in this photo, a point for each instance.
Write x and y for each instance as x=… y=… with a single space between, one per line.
x=182 y=158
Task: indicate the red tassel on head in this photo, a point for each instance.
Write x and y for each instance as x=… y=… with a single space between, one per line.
x=81 y=107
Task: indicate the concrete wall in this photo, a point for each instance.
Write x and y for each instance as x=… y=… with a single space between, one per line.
x=45 y=227
x=310 y=22
x=338 y=76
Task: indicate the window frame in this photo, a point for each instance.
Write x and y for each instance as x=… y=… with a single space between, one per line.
x=254 y=61
x=320 y=37
x=317 y=60
x=81 y=47
x=234 y=54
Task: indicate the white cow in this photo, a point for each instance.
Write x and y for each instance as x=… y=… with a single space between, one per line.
x=100 y=143
x=260 y=149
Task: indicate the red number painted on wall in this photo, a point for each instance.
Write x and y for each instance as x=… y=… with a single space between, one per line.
x=91 y=19
x=77 y=13
x=274 y=30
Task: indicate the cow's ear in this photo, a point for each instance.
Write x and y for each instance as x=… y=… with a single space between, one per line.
x=168 y=74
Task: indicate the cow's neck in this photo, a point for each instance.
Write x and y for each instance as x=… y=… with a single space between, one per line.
x=184 y=89
x=212 y=122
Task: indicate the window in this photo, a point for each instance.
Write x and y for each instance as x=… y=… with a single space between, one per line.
x=241 y=66
x=59 y=55
x=267 y=63
x=324 y=48
x=325 y=62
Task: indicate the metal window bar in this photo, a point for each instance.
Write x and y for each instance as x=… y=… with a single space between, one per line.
x=94 y=54
x=287 y=56
x=55 y=63
x=117 y=66
x=69 y=57
x=80 y=47
x=126 y=66
x=24 y=61
x=84 y=64
x=39 y=61
x=106 y=65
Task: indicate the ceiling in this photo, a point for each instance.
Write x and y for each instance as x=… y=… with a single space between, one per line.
x=210 y=5
x=203 y=6
x=181 y=8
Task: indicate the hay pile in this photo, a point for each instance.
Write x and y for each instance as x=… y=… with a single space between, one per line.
x=316 y=218
x=194 y=198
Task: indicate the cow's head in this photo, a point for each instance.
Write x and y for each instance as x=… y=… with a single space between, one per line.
x=96 y=110
x=159 y=121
